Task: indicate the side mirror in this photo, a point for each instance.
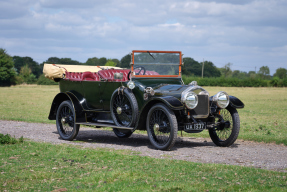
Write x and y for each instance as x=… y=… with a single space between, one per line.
x=118 y=76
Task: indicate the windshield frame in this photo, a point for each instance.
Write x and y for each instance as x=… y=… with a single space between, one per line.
x=147 y=51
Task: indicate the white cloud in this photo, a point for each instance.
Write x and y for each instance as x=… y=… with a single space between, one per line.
x=222 y=30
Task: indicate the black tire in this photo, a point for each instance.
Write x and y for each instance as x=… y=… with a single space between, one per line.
x=226 y=136
x=122 y=133
x=126 y=101
x=161 y=127
x=65 y=121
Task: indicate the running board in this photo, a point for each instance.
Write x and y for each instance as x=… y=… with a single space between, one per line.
x=105 y=125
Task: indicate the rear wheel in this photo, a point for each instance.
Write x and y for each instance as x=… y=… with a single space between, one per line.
x=228 y=127
x=162 y=127
x=65 y=121
x=124 y=111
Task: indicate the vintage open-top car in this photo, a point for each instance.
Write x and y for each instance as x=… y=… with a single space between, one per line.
x=149 y=96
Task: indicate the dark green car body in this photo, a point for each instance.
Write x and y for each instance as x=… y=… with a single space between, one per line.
x=93 y=101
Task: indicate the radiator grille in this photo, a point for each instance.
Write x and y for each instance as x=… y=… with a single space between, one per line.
x=202 y=108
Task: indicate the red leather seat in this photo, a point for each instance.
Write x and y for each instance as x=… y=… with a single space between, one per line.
x=108 y=74
x=89 y=76
x=73 y=76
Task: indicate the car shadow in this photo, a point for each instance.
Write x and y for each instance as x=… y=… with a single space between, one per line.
x=136 y=140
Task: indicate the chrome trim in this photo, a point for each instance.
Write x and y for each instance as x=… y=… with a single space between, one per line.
x=215 y=99
x=204 y=116
x=131 y=84
x=118 y=76
x=149 y=90
x=203 y=93
x=192 y=88
x=193 y=83
x=184 y=96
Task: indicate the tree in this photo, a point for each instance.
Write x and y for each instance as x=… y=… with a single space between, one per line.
x=53 y=60
x=191 y=67
x=93 y=61
x=7 y=72
x=116 y=61
x=264 y=72
x=210 y=70
x=239 y=74
x=110 y=63
x=69 y=61
x=125 y=61
x=281 y=73
x=226 y=70
x=26 y=75
x=20 y=62
x=65 y=61
x=252 y=74
x=102 y=61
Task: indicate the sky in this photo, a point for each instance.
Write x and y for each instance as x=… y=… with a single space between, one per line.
x=247 y=33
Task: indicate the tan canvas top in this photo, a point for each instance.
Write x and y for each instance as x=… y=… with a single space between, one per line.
x=53 y=71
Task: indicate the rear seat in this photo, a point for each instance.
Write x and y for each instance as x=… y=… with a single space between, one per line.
x=89 y=76
x=86 y=76
x=74 y=76
x=108 y=74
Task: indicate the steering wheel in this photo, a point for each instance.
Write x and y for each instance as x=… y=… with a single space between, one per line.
x=138 y=67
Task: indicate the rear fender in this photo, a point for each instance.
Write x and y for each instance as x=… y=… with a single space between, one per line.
x=59 y=98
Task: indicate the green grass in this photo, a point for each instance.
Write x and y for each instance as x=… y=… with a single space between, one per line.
x=30 y=103
x=32 y=166
x=262 y=119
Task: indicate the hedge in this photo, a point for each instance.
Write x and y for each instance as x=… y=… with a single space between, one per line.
x=235 y=82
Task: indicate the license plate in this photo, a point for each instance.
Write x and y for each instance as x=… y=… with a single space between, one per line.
x=195 y=126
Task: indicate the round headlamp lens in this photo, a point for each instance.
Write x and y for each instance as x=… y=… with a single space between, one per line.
x=191 y=100
x=222 y=99
x=131 y=85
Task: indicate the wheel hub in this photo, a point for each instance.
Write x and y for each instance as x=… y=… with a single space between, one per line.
x=156 y=127
x=119 y=110
x=63 y=120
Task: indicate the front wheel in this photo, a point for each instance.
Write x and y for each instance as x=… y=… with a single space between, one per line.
x=228 y=126
x=161 y=127
x=65 y=121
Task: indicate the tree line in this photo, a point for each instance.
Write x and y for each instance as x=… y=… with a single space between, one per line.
x=18 y=70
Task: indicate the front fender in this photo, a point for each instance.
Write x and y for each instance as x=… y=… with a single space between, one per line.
x=59 y=98
x=170 y=101
x=235 y=102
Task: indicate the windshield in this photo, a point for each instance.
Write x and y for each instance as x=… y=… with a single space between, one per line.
x=155 y=63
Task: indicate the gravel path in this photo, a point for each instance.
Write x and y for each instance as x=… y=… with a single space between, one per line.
x=243 y=153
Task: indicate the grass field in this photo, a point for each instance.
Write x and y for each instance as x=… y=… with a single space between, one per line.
x=262 y=119
x=31 y=166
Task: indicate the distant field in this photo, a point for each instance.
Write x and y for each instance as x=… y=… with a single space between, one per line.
x=262 y=119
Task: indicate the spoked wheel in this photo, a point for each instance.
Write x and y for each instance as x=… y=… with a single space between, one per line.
x=228 y=126
x=162 y=127
x=124 y=110
x=65 y=121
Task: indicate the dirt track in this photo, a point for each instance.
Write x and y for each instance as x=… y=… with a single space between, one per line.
x=244 y=153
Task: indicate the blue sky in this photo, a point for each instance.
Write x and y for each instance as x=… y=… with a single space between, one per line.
x=247 y=34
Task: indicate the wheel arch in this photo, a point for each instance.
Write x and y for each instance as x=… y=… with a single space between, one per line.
x=59 y=98
x=235 y=102
x=171 y=102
